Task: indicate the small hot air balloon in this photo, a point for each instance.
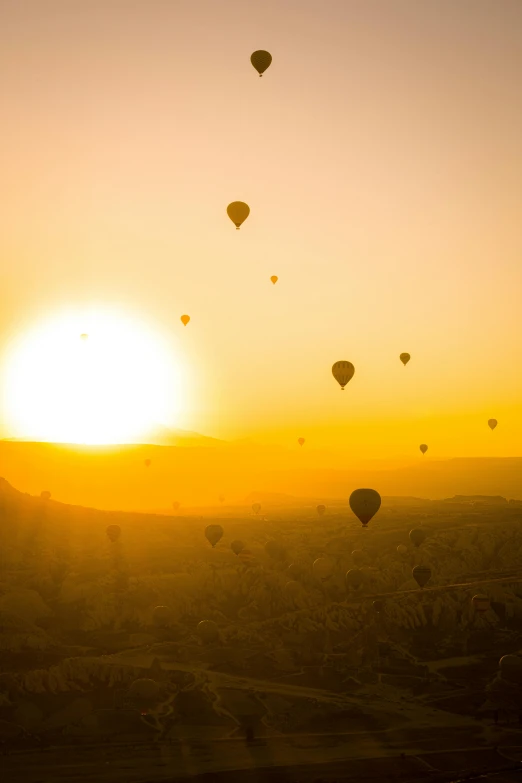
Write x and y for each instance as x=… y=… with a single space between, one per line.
x=354 y=578
x=378 y=606
x=256 y=508
x=481 y=603
x=238 y=212
x=161 y=616
x=221 y=498
x=423 y=448
x=113 y=532
x=144 y=693
x=45 y=495
x=358 y=557
x=492 y=423
x=294 y=570
x=417 y=536
x=405 y=358
x=261 y=60
x=208 y=631
x=213 y=533
x=237 y=546
x=365 y=503
x=274 y=279
x=293 y=589
x=323 y=568
x=175 y=505
x=402 y=550
x=84 y=337
x=321 y=509
x=185 y=319
x=147 y=463
x=275 y=550
x=511 y=668
x=301 y=441
x=343 y=373
x=422 y=575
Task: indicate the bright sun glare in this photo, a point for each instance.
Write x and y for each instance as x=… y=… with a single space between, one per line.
x=94 y=378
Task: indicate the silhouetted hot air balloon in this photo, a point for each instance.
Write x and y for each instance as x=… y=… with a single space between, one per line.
x=221 y=498
x=492 y=423
x=511 y=668
x=354 y=578
x=274 y=279
x=213 y=534
x=237 y=546
x=423 y=448
x=323 y=568
x=402 y=550
x=405 y=358
x=175 y=505
x=275 y=550
x=45 y=495
x=161 y=616
x=293 y=589
x=185 y=319
x=256 y=508
x=417 y=536
x=378 y=606
x=343 y=373
x=261 y=60
x=208 y=631
x=321 y=509
x=238 y=212
x=481 y=603
x=294 y=570
x=301 y=441
x=422 y=575
x=113 y=532
x=365 y=503
x=358 y=557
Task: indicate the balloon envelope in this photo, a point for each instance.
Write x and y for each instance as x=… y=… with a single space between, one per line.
x=147 y=463
x=237 y=547
x=274 y=279
x=275 y=550
x=45 y=495
x=261 y=60
x=213 y=533
x=492 y=423
x=175 y=505
x=161 y=616
x=113 y=532
x=208 y=631
x=185 y=319
x=405 y=358
x=365 y=503
x=423 y=448
x=417 y=536
x=343 y=373
x=256 y=508
x=238 y=212
x=323 y=568
x=402 y=550
x=301 y=441
x=354 y=578
x=378 y=606
x=422 y=575
x=144 y=692
x=321 y=509
x=481 y=603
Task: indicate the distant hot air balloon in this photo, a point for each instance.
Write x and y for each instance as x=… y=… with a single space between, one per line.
x=301 y=441
x=492 y=423
x=293 y=589
x=422 y=575
x=423 y=448
x=238 y=212
x=175 y=505
x=294 y=570
x=275 y=550
x=208 y=631
x=84 y=337
x=45 y=495
x=213 y=534
x=323 y=568
x=321 y=509
x=185 y=319
x=261 y=60
x=246 y=557
x=405 y=358
x=256 y=508
x=402 y=550
x=274 y=279
x=358 y=557
x=144 y=693
x=511 y=668
x=365 y=503
x=147 y=463
x=343 y=373
x=481 y=603
x=237 y=546
x=161 y=616
x=221 y=498
x=378 y=606
x=417 y=536
x=354 y=578
x=113 y=532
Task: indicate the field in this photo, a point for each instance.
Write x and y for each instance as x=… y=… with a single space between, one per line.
x=310 y=676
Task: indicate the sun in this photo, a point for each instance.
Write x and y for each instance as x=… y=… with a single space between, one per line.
x=94 y=377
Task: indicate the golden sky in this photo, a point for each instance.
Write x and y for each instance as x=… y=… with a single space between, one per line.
x=381 y=158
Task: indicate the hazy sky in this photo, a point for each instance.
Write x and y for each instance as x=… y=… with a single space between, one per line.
x=381 y=157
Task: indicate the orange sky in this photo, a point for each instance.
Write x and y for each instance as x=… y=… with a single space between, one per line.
x=381 y=158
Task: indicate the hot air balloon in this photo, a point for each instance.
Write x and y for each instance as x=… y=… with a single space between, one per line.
x=402 y=550
x=274 y=279
x=221 y=498
x=45 y=495
x=113 y=532
x=354 y=578
x=365 y=503
x=256 y=508
x=301 y=441
x=275 y=550
x=147 y=463
x=144 y=693
x=294 y=570
x=358 y=557
x=343 y=373
x=208 y=631
x=417 y=536
x=423 y=448
x=185 y=319
x=405 y=358
x=378 y=606
x=246 y=557
x=161 y=616
x=511 y=668
x=422 y=575
x=293 y=589
x=84 y=337
x=213 y=533
x=261 y=60
x=175 y=505
x=321 y=509
x=238 y=212
x=237 y=547
x=481 y=603
x=323 y=568
x=492 y=423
